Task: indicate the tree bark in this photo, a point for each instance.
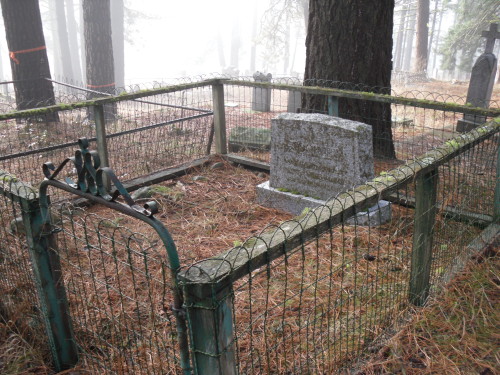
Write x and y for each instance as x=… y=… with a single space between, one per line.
x=98 y=46
x=352 y=42
x=29 y=63
x=422 y=36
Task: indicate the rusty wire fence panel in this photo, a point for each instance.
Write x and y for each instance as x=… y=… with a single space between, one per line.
x=119 y=289
x=20 y=308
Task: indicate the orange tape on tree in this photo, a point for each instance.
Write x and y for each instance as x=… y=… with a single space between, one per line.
x=12 y=54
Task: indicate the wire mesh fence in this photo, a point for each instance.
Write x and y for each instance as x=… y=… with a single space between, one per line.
x=119 y=291
x=315 y=293
x=307 y=296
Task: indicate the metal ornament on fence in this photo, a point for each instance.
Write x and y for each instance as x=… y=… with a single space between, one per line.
x=91 y=178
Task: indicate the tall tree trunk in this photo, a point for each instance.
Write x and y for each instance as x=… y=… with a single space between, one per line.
x=99 y=50
x=62 y=32
x=98 y=45
x=398 y=55
x=352 y=42
x=28 y=53
x=73 y=42
x=422 y=36
x=118 y=35
x=437 y=39
x=410 y=32
x=54 y=45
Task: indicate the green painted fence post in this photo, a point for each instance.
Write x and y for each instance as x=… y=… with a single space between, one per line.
x=333 y=106
x=219 y=118
x=421 y=257
x=102 y=145
x=496 y=203
x=42 y=246
x=210 y=319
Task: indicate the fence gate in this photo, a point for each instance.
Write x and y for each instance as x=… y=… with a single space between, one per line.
x=110 y=291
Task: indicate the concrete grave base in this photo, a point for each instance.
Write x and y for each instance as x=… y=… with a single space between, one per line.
x=296 y=203
x=377 y=215
x=282 y=200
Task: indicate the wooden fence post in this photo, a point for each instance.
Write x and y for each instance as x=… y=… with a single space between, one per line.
x=423 y=232
x=219 y=118
x=42 y=246
x=209 y=309
x=102 y=145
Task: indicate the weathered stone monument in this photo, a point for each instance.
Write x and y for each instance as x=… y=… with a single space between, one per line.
x=313 y=158
x=261 y=96
x=294 y=103
x=481 y=81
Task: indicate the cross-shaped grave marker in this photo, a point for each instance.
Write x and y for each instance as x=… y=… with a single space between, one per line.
x=481 y=80
x=491 y=35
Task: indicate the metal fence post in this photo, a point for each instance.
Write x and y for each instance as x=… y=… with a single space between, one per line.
x=102 y=145
x=209 y=310
x=47 y=271
x=496 y=203
x=421 y=258
x=333 y=106
x=219 y=118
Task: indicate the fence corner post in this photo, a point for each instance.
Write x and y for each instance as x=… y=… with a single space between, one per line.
x=209 y=309
x=219 y=117
x=42 y=246
x=102 y=145
x=423 y=232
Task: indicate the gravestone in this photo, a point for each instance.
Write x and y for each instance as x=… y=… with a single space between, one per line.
x=247 y=138
x=294 y=103
x=481 y=81
x=313 y=158
x=261 y=96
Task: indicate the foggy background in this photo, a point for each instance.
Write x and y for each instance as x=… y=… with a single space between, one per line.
x=168 y=39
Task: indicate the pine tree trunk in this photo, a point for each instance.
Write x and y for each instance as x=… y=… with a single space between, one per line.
x=410 y=32
x=98 y=46
x=62 y=32
x=422 y=36
x=352 y=42
x=29 y=63
x=73 y=41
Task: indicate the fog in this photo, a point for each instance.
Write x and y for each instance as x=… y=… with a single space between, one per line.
x=167 y=39
x=181 y=39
